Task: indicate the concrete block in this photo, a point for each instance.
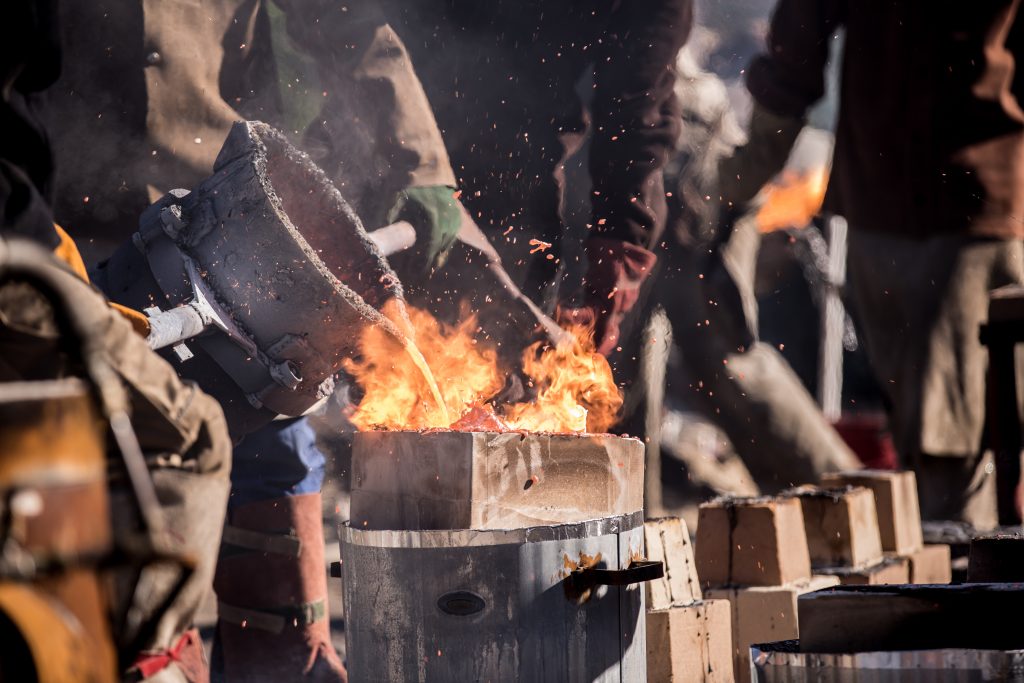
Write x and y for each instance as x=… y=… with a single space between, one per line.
x=691 y=644
x=930 y=565
x=889 y=571
x=668 y=540
x=841 y=526
x=764 y=614
x=751 y=542
x=479 y=480
x=899 y=515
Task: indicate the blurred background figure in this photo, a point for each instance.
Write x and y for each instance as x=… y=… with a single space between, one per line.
x=556 y=134
x=721 y=368
x=926 y=171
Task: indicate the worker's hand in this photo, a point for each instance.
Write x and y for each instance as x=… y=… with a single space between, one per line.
x=436 y=215
x=742 y=175
x=611 y=289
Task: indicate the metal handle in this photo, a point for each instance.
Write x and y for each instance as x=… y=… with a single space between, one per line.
x=638 y=571
x=394 y=238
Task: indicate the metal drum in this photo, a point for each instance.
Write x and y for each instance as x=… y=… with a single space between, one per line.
x=558 y=603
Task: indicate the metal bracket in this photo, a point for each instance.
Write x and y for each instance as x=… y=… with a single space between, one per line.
x=638 y=571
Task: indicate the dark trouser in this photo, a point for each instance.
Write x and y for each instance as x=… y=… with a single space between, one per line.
x=919 y=305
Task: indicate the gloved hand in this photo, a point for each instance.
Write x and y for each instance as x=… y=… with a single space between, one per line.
x=611 y=289
x=436 y=215
x=742 y=175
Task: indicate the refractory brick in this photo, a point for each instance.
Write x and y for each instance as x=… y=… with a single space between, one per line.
x=690 y=644
x=899 y=514
x=482 y=480
x=667 y=540
x=841 y=526
x=764 y=614
x=751 y=542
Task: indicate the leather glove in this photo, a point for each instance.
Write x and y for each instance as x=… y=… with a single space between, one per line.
x=742 y=175
x=436 y=215
x=615 y=273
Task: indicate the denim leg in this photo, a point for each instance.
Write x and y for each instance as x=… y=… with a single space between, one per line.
x=279 y=460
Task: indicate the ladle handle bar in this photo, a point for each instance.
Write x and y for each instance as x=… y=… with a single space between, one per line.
x=394 y=238
x=174 y=326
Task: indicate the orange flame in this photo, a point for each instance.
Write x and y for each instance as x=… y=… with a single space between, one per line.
x=575 y=390
x=397 y=393
x=792 y=200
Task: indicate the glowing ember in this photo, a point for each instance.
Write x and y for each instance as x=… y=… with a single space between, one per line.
x=480 y=419
x=575 y=390
x=792 y=200
x=539 y=245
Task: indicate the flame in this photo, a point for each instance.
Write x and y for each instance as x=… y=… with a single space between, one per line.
x=398 y=393
x=575 y=390
x=792 y=200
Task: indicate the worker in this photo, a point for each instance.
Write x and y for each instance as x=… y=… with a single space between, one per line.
x=928 y=159
x=502 y=78
x=180 y=431
x=736 y=380
x=143 y=106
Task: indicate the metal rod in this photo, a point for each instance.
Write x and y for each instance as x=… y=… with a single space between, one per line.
x=833 y=322
x=394 y=238
x=168 y=328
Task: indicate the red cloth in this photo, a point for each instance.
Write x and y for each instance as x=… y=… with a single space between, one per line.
x=868 y=438
x=187 y=653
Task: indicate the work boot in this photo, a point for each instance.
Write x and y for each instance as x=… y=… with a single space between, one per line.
x=271 y=584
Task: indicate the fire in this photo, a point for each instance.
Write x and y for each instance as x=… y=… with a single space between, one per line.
x=398 y=393
x=792 y=200
x=574 y=387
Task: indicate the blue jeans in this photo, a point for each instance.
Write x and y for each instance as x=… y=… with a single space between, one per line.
x=279 y=460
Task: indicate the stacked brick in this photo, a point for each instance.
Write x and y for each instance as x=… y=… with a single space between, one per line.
x=689 y=639
x=843 y=539
x=899 y=523
x=761 y=554
x=753 y=553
